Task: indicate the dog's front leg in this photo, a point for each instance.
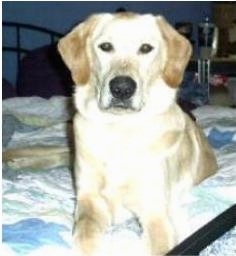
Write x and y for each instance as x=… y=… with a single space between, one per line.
x=159 y=233
x=93 y=219
x=92 y=215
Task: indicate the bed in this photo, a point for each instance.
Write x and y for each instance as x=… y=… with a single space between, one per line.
x=39 y=199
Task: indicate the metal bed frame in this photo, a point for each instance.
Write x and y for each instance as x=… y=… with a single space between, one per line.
x=206 y=235
x=18 y=27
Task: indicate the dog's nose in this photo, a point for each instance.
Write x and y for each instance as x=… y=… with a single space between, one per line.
x=122 y=87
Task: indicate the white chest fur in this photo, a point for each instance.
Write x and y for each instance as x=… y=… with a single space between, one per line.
x=121 y=151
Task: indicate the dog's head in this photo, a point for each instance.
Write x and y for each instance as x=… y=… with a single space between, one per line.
x=123 y=61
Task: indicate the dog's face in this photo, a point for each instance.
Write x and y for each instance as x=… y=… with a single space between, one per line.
x=120 y=62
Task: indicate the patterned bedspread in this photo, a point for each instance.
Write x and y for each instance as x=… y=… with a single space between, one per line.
x=38 y=202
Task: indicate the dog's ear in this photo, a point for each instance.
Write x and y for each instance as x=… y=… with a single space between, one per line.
x=179 y=51
x=73 y=50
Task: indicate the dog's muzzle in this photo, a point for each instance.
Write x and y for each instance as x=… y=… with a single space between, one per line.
x=122 y=88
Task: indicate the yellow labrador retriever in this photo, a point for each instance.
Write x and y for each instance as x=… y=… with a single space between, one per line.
x=135 y=148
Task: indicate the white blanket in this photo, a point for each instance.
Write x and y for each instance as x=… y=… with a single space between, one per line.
x=38 y=204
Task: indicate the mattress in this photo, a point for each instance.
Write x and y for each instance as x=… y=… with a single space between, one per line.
x=38 y=203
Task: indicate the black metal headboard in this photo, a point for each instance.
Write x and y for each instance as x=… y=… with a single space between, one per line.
x=18 y=27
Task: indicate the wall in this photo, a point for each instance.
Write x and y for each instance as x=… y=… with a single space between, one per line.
x=61 y=16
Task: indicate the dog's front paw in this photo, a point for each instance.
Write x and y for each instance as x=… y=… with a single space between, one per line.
x=85 y=247
x=87 y=239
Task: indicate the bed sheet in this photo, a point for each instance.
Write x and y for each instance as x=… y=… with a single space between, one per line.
x=38 y=203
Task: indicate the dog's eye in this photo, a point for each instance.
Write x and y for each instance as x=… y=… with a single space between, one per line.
x=106 y=47
x=145 y=48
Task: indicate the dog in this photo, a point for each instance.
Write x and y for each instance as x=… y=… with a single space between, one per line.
x=135 y=148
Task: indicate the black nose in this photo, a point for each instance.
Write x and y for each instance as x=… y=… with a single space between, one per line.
x=122 y=87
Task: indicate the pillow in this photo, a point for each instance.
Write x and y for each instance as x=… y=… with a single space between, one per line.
x=43 y=73
x=8 y=90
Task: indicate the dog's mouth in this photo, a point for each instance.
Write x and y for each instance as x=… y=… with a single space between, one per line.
x=120 y=108
x=121 y=105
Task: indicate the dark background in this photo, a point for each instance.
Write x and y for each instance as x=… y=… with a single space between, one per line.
x=62 y=16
